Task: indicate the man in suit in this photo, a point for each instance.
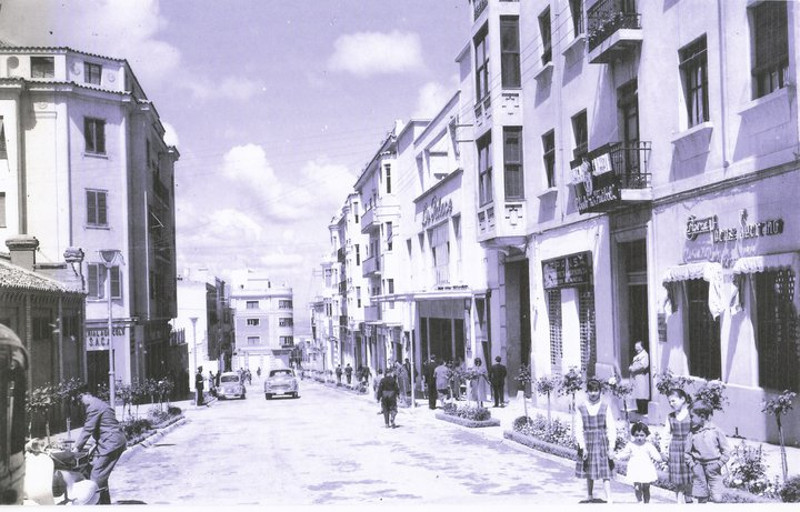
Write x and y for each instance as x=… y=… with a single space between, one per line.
x=102 y=426
x=430 y=381
x=497 y=376
x=198 y=386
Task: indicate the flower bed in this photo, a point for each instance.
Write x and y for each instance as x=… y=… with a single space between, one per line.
x=464 y=422
x=467 y=416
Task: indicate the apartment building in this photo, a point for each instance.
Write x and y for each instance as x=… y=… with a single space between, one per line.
x=263 y=319
x=85 y=165
x=659 y=148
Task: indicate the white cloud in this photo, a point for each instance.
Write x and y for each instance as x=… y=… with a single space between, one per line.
x=170 y=135
x=371 y=53
x=231 y=88
x=431 y=98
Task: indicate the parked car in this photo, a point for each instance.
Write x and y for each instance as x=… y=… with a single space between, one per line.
x=281 y=382
x=231 y=386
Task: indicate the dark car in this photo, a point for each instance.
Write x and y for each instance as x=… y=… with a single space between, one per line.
x=281 y=382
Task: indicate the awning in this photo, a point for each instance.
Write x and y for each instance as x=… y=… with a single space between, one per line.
x=708 y=271
x=754 y=264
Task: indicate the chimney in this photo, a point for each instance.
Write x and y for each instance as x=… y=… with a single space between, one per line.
x=23 y=251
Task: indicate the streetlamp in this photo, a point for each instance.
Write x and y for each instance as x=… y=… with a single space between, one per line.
x=109 y=257
x=194 y=354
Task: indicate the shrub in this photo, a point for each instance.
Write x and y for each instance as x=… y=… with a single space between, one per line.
x=554 y=431
x=521 y=422
x=667 y=381
x=713 y=393
x=134 y=428
x=748 y=471
x=790 y=492
x=467 y=412
x=174 y=411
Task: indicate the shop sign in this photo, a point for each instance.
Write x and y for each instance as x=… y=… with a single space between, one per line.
x=601 y=189
x=744 y=231
x=97 y=337
x=568 y=271
x=436 y=210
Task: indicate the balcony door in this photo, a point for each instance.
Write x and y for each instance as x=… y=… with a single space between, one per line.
x=628 y=106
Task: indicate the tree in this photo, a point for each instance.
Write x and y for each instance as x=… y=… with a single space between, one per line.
x=68 y=393
x=777 y=407
x=40 y=401
x=524 y=378
x=570 y=384
x=546 y=386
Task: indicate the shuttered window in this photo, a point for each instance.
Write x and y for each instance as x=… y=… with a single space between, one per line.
x=705 y=356
x=588 y=337
x=554 y=315
x=778 y=366
x=512 y=161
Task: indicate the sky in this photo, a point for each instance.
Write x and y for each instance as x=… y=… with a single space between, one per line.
x=275 y=107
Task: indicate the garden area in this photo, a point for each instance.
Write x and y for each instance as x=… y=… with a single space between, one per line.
x=746 y=475
x=56 y=409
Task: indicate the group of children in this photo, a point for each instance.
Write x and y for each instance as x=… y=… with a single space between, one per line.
x=698 y=450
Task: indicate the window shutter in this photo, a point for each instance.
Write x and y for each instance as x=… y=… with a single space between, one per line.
x=771 y=35
x=102 y=218
x=554 y=314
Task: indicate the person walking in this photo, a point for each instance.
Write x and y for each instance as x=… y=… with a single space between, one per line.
x=387 y=396
x=642 y=456
x=428 y=370
x=348 y=373
x=640 y=373
x=596 y=434
x=212 y=388
x=339 y=375
x=102 y=426
x=677 y=429
x=198 y=385
x=707 y=452
x=442 y=377
x=403 y=380
x=497 y=376
x=479 y=382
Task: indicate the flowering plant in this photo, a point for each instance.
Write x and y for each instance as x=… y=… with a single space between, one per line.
x=713 y=393
x=777 y=407
x=571 y=382
x=667 y=381
x=748 y=471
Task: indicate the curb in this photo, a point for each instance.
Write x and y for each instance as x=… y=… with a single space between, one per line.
x=151 y=439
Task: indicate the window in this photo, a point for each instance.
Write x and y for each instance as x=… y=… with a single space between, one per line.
x=96 y=208
x=512 y=162
x=778 y=363
x=388 y=230
x=549 y=149
x=286 y=341
x=580 y=132
x=285 y=322
x=42 y=67
x=358 y=254
x=252 y=304
x=254 y=340
x=358 y=296
x=485 y=169
x=94 y=132
x=509 y=51
x=97 y=281
x=554 y=318
x=705 y=356
x=355 y=211
x=284 y=304
x=544 y=30
x=387 y=171
x=576 y=10
x=92 y=73
x=253 y=322
x=694 y=71
x=3 y=145
x=440 y=252
x=3 y=220
x=482 y=64
x=771 y=47
x=390 y=284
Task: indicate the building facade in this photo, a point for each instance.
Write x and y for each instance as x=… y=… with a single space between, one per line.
x=86 y=165
x=263 y=321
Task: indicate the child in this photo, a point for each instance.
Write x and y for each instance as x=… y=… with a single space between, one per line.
x=642 y=455
x=677 y=428
x=596 y=434
x=707 y=451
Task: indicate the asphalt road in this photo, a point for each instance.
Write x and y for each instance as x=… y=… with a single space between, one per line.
x=331 y=448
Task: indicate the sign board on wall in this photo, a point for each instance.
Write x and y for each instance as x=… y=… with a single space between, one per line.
x=97 y=337
x=567 y=271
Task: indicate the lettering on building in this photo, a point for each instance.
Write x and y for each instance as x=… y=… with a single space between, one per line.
x=746 y=230
x=436 y=210
x=97 y=337
x=567 y=271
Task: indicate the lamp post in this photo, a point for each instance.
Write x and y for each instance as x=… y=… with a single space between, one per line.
x=109 y=257
x=194 y=354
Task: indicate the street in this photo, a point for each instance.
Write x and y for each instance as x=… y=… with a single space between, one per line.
x=330 y=447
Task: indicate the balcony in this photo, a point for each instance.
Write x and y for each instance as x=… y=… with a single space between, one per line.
x=343 y=321
x=371 y=266
x=369 y=221
x=478 y=8
x=614 y=31
x=342 y=287
x=612 y=177
x=340 y=254
x=372 y=313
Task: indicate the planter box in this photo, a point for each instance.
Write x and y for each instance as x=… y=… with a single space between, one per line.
x=468 y=423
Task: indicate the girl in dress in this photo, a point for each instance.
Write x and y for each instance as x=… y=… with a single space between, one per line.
x=596 y=434
x=642 y=455
x=677 y=429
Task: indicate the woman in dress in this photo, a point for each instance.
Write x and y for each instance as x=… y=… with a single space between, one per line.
x=596 y=434
x=677 y=429
x=479 y=383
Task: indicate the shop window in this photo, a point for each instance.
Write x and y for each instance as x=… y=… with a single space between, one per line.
x=705 y=357
x=554 y=314
x=778 y=365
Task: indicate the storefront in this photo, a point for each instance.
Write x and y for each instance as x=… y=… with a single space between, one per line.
x=727 y=265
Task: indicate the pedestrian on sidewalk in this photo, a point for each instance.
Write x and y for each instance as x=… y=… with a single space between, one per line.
x=101 y=425
x=642 y=456
x=339 y=375
x=387 y=396
x=403 y=380
x=497 y=376
x=479 y=382
x=640 y=373
x=348 y=373
x=707 y=452
x=677 y=431
x=596 y=434
x=442 y=377
x=428 y=370
x=198 y=385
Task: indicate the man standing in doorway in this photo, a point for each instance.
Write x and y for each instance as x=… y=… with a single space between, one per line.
x=497 y=376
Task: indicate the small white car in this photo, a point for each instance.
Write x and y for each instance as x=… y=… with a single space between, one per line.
x=281 y=382
x=230 y=386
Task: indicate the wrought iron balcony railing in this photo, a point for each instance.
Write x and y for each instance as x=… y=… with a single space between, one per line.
x=607 y=16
